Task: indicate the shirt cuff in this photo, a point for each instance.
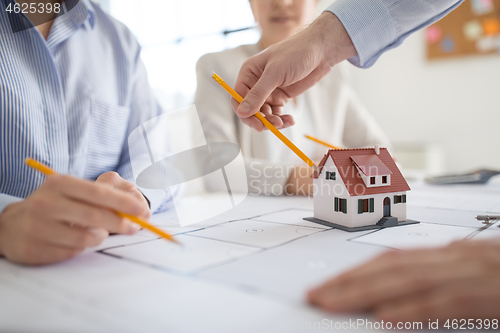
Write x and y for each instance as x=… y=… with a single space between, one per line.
x=370 y=26
x=6 y=200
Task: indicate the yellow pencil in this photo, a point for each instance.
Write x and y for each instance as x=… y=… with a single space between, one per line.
x=266 y=123
x=48 y=171
x=310 y=137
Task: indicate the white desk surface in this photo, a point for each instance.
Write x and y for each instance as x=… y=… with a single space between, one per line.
x=245 y=271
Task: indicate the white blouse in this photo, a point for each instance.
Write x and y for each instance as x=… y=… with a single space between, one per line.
x=330 y=111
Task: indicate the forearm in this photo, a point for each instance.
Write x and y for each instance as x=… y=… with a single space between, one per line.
x=377 y=26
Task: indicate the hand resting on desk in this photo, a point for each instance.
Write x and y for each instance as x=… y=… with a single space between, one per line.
x=66 y=215
x=459 y=281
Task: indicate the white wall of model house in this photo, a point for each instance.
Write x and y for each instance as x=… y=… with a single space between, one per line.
x=326 y=190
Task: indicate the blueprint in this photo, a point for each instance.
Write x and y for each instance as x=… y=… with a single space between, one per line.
x=256 y=261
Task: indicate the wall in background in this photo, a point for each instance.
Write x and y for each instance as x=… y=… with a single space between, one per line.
x=452 y=103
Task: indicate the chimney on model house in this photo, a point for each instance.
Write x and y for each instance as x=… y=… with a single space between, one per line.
x=377 y=149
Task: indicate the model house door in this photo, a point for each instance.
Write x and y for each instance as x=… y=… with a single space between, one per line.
x=387 y=206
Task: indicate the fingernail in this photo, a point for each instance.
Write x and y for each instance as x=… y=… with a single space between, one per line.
x=133 y=228
x=244 y=108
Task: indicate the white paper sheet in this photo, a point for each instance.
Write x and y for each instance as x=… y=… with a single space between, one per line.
x=416 y=235
x=215 y=283
x=139 y=237
x=456 y=197
x=495 y=209
x=195 y=254
x=252 y=206
x=99 y=293
x=22 y=312
x=255 y=233
x=288 y=271
x=461 y=218
x=72 y=296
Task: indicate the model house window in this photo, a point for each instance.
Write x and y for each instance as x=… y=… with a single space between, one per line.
x=372 y=180
x=330 y=175
x=384 y=179
x=366 y=205
x=340 y=205
x=400 y=199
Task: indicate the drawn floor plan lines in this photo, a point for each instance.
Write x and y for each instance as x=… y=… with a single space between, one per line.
x=255 y=233
x=288 y=271
x=457 y=218
x=195 y=254
x=139 y=237
x=121 y=240
x=291 y=216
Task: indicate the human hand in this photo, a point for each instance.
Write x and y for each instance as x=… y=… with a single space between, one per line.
x=63 y=217
x=459 y=281
x=114 y=181
x=287 y=69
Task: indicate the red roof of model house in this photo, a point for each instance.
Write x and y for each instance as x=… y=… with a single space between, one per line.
x=370 y=164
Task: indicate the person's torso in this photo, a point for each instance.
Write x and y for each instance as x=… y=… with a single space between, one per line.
x=63 y=101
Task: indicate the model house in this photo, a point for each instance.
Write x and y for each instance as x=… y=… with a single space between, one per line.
x=359 y=189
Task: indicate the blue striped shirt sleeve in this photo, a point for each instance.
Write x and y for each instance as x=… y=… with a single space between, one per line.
x=143 y=106
x=377 y=26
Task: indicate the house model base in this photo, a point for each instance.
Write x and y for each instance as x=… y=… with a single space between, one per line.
x=366 y=227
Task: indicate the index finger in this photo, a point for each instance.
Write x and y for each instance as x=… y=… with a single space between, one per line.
x=96 y=194
x=255 y=84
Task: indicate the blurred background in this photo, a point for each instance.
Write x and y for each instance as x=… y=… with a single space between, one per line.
x=437 y=96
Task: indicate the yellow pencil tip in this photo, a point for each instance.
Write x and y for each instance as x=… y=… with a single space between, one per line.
x=315 y=167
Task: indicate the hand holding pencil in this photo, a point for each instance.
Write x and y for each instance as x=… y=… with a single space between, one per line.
x=64 y=216
x=265 y=122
